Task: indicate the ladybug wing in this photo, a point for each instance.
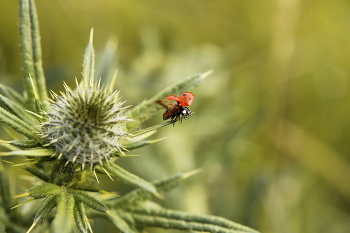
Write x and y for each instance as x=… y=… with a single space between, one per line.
x=170 y=113
x=186 y=98
x=173 y=97
x=165 y=104
x=171 y=109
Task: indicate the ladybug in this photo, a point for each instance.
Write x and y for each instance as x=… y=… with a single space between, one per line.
x=178 y=111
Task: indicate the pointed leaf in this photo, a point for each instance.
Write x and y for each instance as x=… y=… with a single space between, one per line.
x=49 y=203
x=37 y=57
x=26 y=47
x=33 y=152
x=89 y=63
x=120 y=223
x=31 y=51
x=193 y=218
x=92 y=188
x=167 y=184
x=12 y=95
x=105 y=66
x=139 y=144
x=19 y=111
x=17 y=124
x=145 y=220
x=89 y=200
x=147 y=108
x=81 y=220
x=64 y=218
x=5 y=191
x=25 y=143
x=37 y=173
x=139 y=196
x=130 y=178
x=44 y=190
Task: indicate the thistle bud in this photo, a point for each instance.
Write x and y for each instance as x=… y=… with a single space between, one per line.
x=86 y=125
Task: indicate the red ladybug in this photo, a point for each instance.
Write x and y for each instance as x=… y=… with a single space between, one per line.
x=178 y=111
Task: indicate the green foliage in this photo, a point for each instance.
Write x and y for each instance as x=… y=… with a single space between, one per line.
x=33 y=74
x=16 y=124
x=82 y=132
x=64 y=218
x=129 y=177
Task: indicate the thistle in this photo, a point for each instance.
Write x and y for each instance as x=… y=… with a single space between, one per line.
x=84 y=127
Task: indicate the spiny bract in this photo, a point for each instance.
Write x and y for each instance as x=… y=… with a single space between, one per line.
x=86 y=125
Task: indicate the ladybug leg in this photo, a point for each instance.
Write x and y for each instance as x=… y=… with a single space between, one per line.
x=174 y=120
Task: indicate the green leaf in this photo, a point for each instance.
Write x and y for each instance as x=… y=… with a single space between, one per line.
x=120 y=223
x=25 y=143
x=89 y=200
x=147 y=108
x=5 y=192
x=64 y=218
x=2 y=228
x=92 y=188
x=12 y=95
x=17 y=124
x=138 y=144
x=35 y=172
x=89 y=63
x=138 y=196
x=19 y=111
x=146 y=220
x=44 y=190
x=130 y=178
x=81 y=220
x=49 y=203
x=33 y=152
x=207 y=220
x=31 y=52
x=105 y=65
x=167 y=184
x=37 y=57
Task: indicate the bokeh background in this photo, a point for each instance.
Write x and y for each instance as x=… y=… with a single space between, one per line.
x=271 y=127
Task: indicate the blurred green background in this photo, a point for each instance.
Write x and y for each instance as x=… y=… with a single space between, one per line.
x=271 y=127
